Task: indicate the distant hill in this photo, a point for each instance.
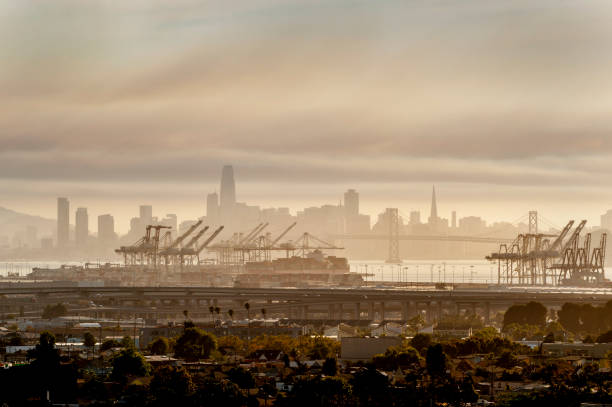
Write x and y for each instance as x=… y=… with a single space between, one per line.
x=12 y=222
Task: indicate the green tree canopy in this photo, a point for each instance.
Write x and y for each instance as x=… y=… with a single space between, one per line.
x=195 y=344
x=89 y=340
x=129 y=362
x=160 y=346
x=436 y=360
x=171 y=385
x=420 y=342
x=532 y=313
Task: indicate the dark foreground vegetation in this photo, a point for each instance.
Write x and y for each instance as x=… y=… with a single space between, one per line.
x=198 y=369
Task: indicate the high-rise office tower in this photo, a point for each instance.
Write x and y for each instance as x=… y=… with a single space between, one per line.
x=228 y=192
x=433 y=215
x=351 y=202
x=63 y=222
x=106 y=229
x=415 y=217
x=212 y=206
x=454 y=220
x=81 y=227
x=146 y=215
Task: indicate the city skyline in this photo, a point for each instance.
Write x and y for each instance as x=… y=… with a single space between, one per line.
x=123 y=215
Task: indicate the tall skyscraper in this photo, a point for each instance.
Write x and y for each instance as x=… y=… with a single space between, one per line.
x=228 y=192
x=351 y=203
x=106 y=229
x=454 y=220
x=146 y=215
x=433 y=215
x=81 y=227
x=212 y=206
x=63 y=222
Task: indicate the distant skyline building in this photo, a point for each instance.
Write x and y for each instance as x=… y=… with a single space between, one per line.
x=351 y=203
x=454 y=219
x=227 y=201
x=433 y=214
x=606 y=220
x=415 y=217
x=106 y=229
x=63 y=222
x=212 y=206
x=81 y=227
x=170 y=220
x=30 y=236
x=146 y=214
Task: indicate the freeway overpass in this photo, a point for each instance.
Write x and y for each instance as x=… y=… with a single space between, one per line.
x=167 y=303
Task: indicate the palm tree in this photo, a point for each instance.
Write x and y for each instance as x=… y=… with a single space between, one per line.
x=231 y=315
x=217 y=311
x=186 y=314
x=263 y=312
x=247 y=306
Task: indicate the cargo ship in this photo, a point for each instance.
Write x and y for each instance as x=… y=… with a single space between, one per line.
x=313 y=270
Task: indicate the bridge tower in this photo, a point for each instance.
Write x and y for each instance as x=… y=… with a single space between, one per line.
x=393 y=219
x=533 y=222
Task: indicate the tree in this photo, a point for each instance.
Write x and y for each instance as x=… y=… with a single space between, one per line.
x=160 y=346
x=569 y=316
x=318 y=392
x=436 y=360
x=54 y=311
x=321 y=348
x=371 y=387
x=195 y=344
x=421 y=342
x=395 y=358
x=45 y=354
x=171 y=385
x=549 y=338
x=532 y=313
x=487 y=333
x=214 y=393
x=247 y=307
x=605 y=337
x=109 y=344
x=507 y=360
x=129 y=362
x=89 y=341
x=330 y=367
x=243 y=378
x=127 y=342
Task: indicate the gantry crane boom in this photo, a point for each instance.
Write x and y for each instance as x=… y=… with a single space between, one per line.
x=184 y=235
x=250 y=234
x=196 y=237
x=575 y=235
x=247 y=241
x=562 y=235
x=210 y=239
x=275 y=241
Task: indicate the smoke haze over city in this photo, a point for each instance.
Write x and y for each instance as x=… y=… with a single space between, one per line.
x=502 y=105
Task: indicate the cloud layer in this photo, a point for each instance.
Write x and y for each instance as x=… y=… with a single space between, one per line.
x=99 y=95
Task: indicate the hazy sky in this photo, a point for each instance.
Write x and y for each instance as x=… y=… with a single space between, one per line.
x=504 y=105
